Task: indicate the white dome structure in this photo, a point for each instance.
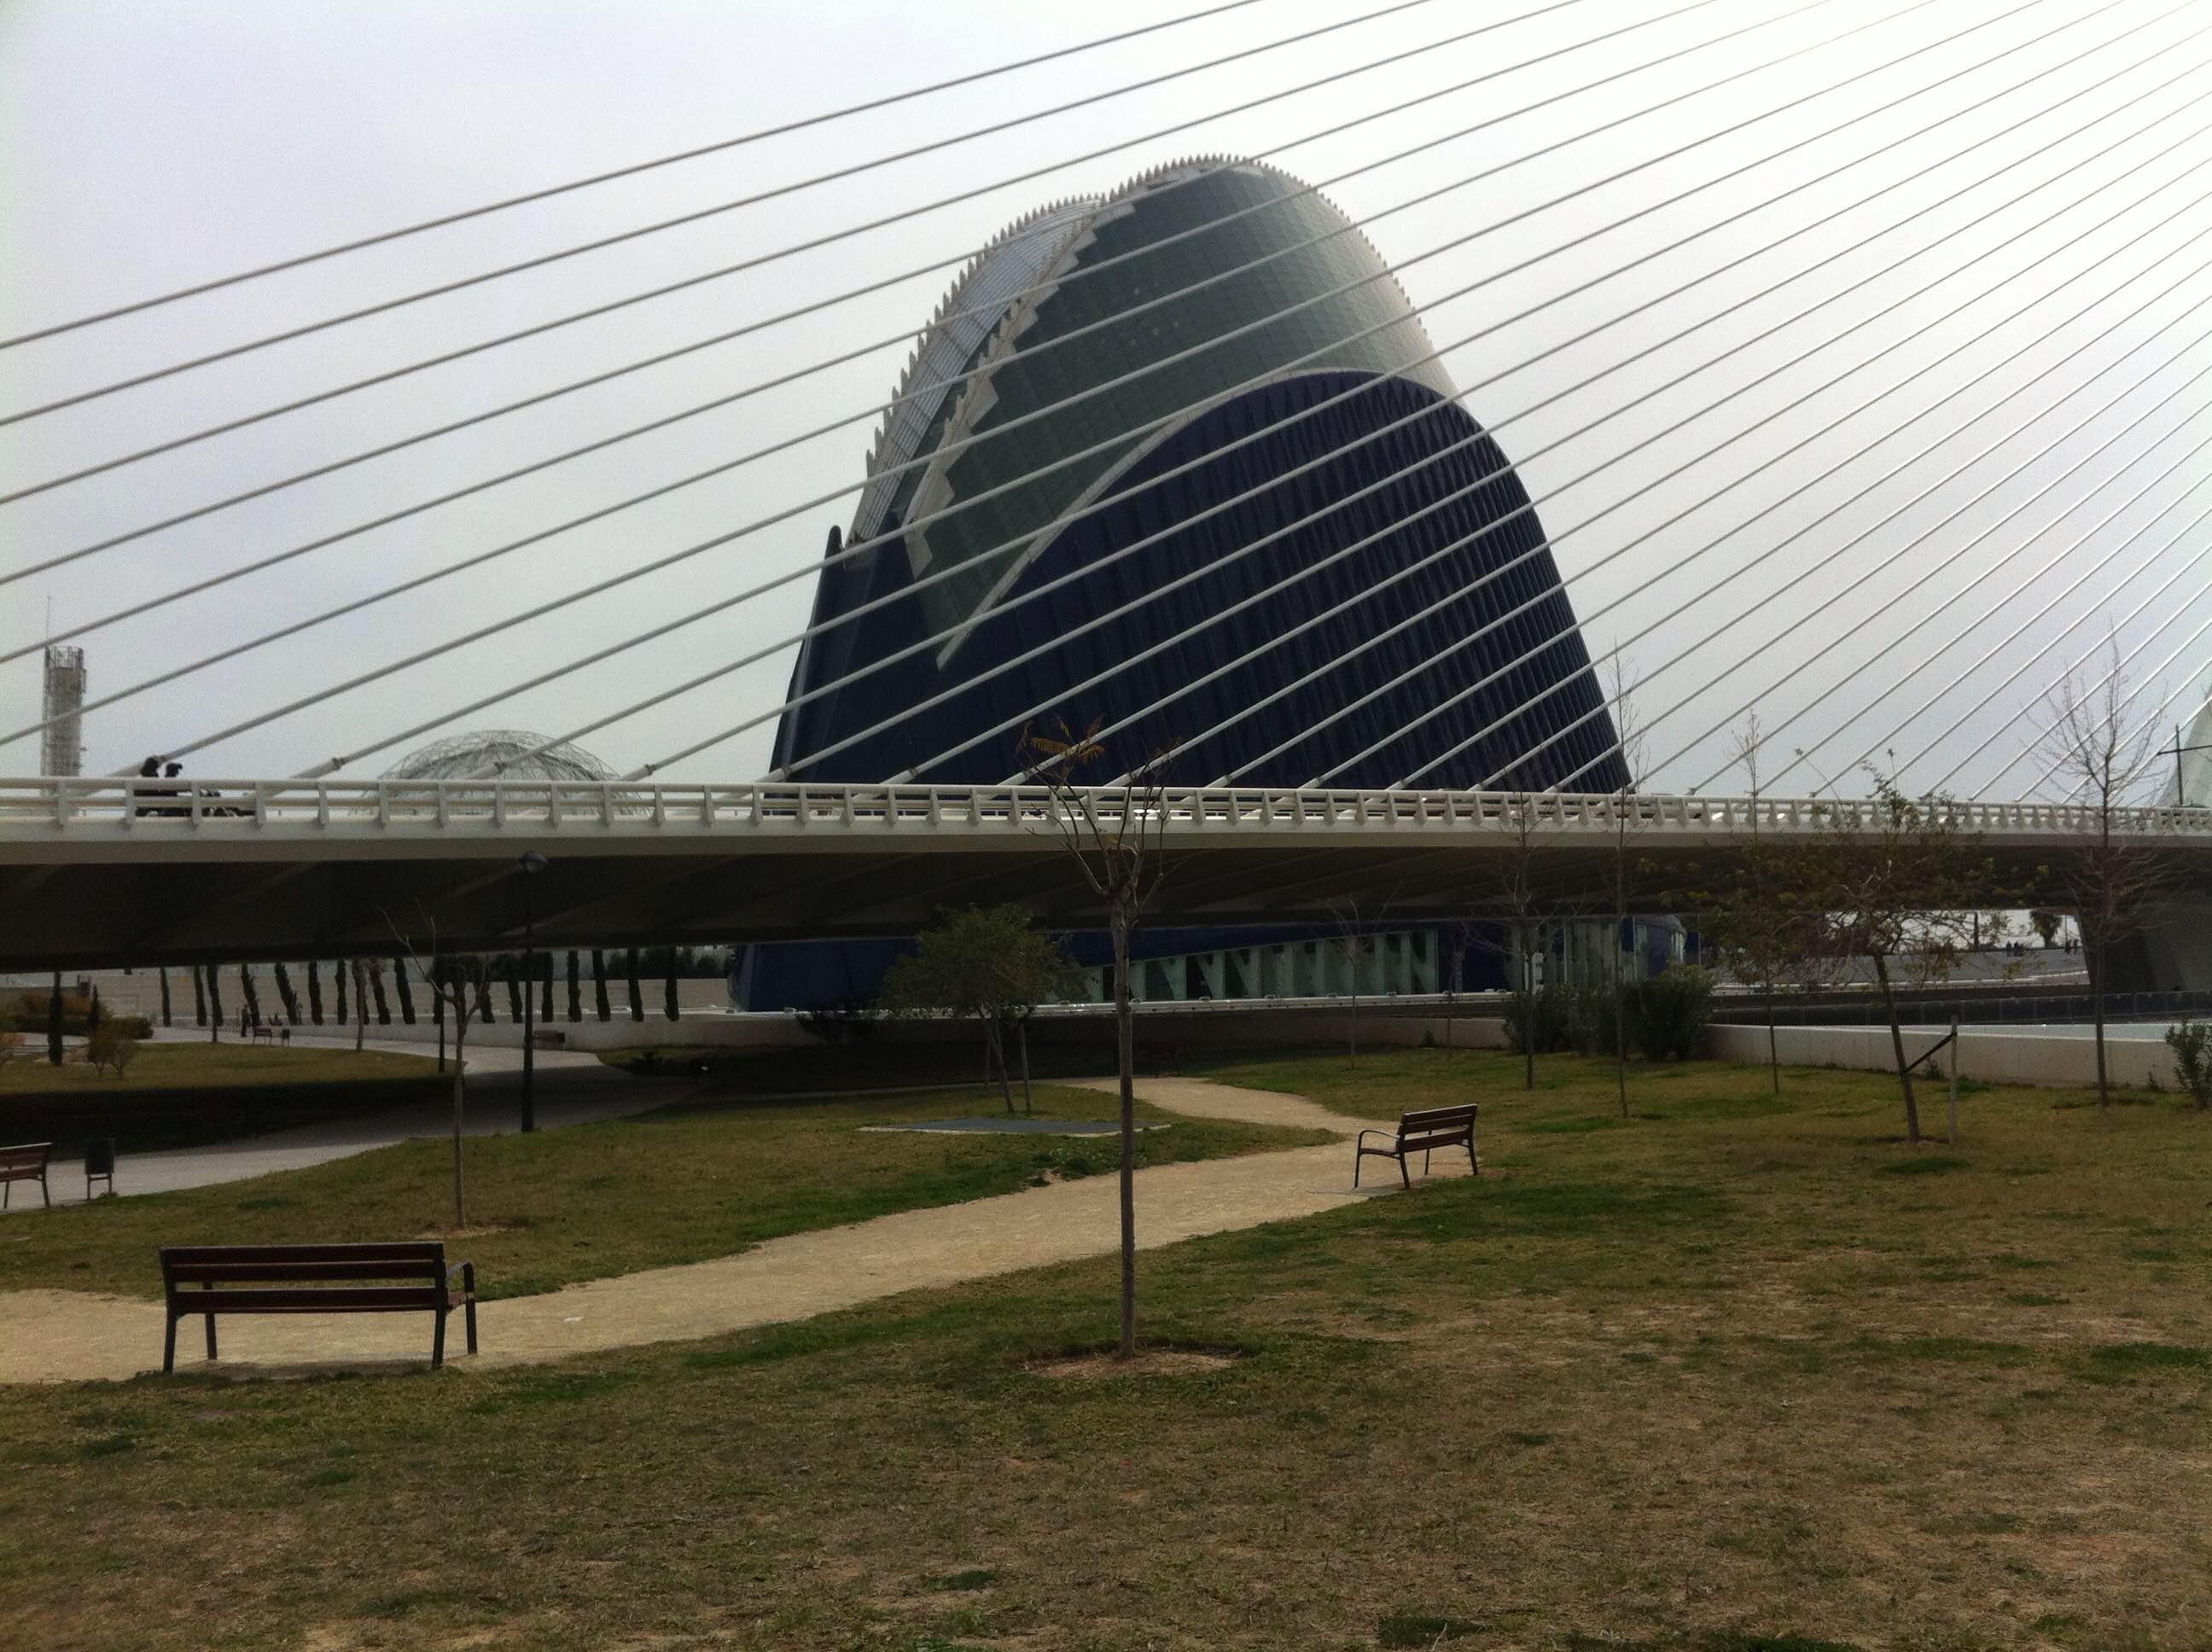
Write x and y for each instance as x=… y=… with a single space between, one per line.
x=506 y=754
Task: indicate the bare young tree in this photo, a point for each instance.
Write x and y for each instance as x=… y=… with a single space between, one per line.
x=1352 y=939
x=454 y=985
x=1760 y=921
x=1510 y=918
x=1897 y=878
x=1628 y=734
x=2115 y=879
x=1116 y=835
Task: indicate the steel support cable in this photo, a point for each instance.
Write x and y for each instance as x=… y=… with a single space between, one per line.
x=780 y=381
x=1943 y=694
x=1462 y=593
x=1373 y=694
x=1974 y=629
x=2037 y=658
x=811 y=306
x=1146 y=542
x=299 y=260
x=1043 y=589
x=384 y=306
x=1837 y=642
x=1764 y=465
x=1106 y=446
x=1891 y=560
x=857 y=547
x=2159 y=710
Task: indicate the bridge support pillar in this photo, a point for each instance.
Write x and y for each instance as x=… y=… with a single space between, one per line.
x=2172 y=953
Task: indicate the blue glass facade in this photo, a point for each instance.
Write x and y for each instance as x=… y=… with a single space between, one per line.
x=1402 y=562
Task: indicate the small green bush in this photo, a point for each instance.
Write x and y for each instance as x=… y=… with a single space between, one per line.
x=2191 y=1044
x=110 y=1046
x=1668 y=1014
x=1544 y=1016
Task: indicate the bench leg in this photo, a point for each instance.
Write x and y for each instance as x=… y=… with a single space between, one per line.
x=45 y=1197
x=210 y=1325
x=1403 y=1176
x=469 y=1290
x=169 y=1348
x=1357 y=1160
x=438 y=1339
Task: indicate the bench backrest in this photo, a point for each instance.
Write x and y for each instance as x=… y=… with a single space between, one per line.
x=26 y=1156
x=1438 y=1125
x=303 y=1265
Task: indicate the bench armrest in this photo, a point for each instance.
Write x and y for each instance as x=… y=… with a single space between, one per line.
x=1390 y=1135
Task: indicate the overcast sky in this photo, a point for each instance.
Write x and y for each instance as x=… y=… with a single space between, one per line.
x=146 y=145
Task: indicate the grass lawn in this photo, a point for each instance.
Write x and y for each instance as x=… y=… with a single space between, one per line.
x=586 y=1201
x=1741 y=1375
x=178 y=1095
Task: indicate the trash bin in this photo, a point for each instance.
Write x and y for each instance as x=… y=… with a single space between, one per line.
x=99 y=1164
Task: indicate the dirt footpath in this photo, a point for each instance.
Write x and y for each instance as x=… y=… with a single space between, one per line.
x=52 y=1336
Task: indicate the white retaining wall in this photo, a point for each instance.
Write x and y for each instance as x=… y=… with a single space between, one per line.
x=1995 y=1058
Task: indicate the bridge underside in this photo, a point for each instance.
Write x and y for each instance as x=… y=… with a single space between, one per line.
x=252 y=897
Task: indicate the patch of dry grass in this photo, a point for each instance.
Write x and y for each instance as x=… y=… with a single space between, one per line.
x=1713 y=1380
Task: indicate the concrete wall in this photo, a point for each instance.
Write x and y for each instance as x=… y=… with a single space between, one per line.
x=1186 y=1029
x=1996 y=1057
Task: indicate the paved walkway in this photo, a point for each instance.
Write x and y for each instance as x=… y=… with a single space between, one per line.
x=60 y=1336
x=570 y=1088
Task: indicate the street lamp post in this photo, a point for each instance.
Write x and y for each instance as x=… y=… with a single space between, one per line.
x=531 y=863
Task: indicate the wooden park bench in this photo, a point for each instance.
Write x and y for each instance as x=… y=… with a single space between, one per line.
x=25 y=1163
x=1423 y=1133
x=212 y=1279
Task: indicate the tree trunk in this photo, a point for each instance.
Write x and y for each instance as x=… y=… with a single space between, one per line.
x=668 y=1004
x=199 y=998
x=315 y=991
x=575 y=988
x=994 y=1046
x=1125 y=1040
x=54 y=1023
x=460 y=1033
x=215 y=1005
x=600 y=1004
x=403 y=991
x=360 y=1006
x=438 y=1004
x=544 y=985
x=1528 y=1016
x=2097 y=1012
x=1619 y=924
x=1029 y=1095
x=341 y=969
x=1897 y=1048
x=165 y=1022
x=636 y=987
x=1773 y=1059
x=375 y=969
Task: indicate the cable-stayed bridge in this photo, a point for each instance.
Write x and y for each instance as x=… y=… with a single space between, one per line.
x=100 y=870
x=1520 y=404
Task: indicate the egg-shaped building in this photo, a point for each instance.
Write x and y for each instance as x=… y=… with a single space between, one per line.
x=1180 y=459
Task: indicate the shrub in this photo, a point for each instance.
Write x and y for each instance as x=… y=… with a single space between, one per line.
x=1595 y=1013
x=1668 y=1014
x=110 y=1047
x=842 y=1021
x=1541 y=1021
x=2191 y=1044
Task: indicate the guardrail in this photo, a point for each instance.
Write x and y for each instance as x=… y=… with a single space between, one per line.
x=45 y=805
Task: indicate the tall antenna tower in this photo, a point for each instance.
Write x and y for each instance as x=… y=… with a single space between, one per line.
x=61 y=747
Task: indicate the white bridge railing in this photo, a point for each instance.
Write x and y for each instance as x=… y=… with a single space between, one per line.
x=43 y=807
